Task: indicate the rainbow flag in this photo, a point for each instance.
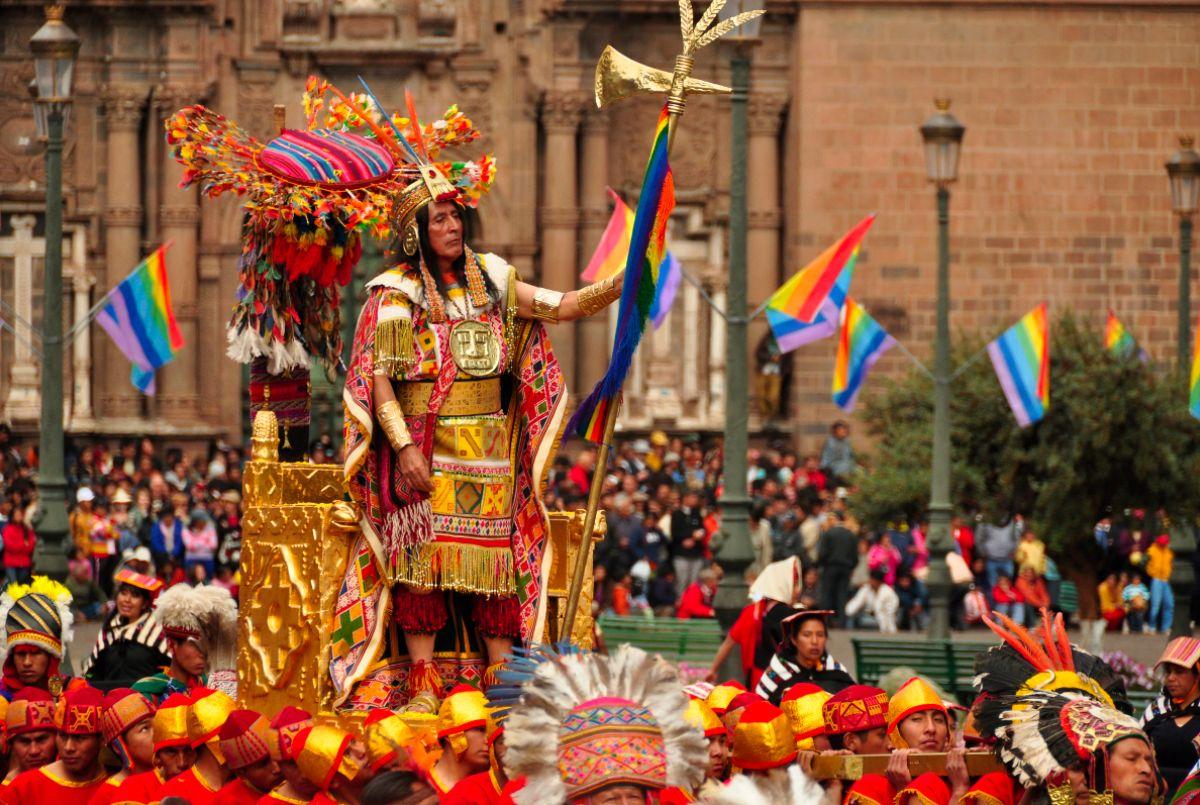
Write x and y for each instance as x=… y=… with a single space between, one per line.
x=669 y=276
x=861 y=342
x=801 y=297
x=613 y=248
x=1021 y=357
x=1194 y=385
x=1119 y=341
x=647 y=245
x=790 y=332
x=141 y=322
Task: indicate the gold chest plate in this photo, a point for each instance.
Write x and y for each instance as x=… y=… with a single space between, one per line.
x=475 y=348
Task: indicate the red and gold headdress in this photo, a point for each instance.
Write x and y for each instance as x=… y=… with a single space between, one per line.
x=245 y=739
x=763 y=738
x=321 y=753
x=854 y=709
x=914 y=696
x=123 y=708
x=78 y=711
x=209 y=711
x=171 y=722
x=720 y=696
x=31 y=710
x=701 y=716
x=287 y=724
x=804 y=705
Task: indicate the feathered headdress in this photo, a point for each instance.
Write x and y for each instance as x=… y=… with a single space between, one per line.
x=205 y=615
x=36 y=614
x=310 y=196
x=1049 y=705
x=787 y=786
x=616 y=719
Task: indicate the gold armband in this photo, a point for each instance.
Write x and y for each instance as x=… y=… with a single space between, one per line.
x=391 y=419
x=546 y=304
x=598 y=296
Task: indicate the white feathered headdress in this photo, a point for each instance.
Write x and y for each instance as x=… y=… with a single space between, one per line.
x=584 y=722
x=206 y=615
x=788 y=786
x=37 y=614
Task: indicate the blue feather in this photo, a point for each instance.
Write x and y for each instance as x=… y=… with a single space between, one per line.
x=412 y=154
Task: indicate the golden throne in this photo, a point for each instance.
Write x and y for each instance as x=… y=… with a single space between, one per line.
x=298 y=529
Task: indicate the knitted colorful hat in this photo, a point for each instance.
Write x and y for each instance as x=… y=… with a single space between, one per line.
x=870 y=789
x=763 y=738
x=245 y=739
x=37 y=614
x=78 y=711
x=926 y=789
x=171 y=722
x=857 y=708
x=701 y=716
x=720 y=696
x=1182 y=651
x=123 y=708
x=993 y=788
x=321 y=753
x=31 y=710
x=140 y=580
x=618 y=719
x=286 y=725
x=209 y=710
x=914 y=696
x=804 y=704
x=205 y=615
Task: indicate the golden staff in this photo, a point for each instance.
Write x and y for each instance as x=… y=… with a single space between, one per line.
x=619 y=77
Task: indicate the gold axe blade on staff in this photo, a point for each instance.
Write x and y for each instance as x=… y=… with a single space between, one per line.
x=619 y=77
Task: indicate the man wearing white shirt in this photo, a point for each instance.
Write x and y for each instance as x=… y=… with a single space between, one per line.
x=877 y=602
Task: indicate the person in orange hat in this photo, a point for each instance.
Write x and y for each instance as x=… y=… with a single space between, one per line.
x=173 y=753
x=131 y=644
x=245 y=743
x=127 y=728
x=917 y=718
x=208 y=774
x=486 y=787
x=77 y=774
x=993 y=788
x=856 y=720
x=927 y=789
x=287 y=724
x=763 y=739
x=30 y=725
x=702 y=717
x=871 y=789
x=804 y=705
x=463 y=735
x=332 y=760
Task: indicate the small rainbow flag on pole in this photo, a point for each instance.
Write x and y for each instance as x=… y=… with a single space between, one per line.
x=1021 y=357
x=801 y=298
x=141 y=322
x=861 y=342
x=647 y=245
x=789 y=331
x=1194 y=385
x=1119 y=341
x=613 y=249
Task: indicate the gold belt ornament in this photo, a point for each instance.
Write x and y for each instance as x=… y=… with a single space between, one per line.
x=466 y=397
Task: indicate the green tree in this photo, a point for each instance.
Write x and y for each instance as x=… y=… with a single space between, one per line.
x=1117 y=435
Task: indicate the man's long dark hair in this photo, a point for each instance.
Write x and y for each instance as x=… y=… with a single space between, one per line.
x=470 y=227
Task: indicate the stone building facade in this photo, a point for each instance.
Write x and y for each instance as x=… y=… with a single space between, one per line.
x=1071 y=109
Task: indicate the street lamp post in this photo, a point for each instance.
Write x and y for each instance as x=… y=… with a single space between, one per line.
x=1183 y=170
x=943 y=135
x=736 y=553
x=54 y=48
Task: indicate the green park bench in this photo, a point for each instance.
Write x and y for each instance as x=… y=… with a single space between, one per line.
x=692 y=641
x=949 y=663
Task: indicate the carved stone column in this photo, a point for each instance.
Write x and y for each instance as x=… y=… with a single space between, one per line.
x=561 y=114
x=123 y=213
x=594 y=213
x=24 y=401
x=178 y=398
x=764 y=215
x=80 y=281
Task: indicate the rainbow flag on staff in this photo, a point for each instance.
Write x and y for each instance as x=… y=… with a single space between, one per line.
x=1021 y=357
x=613 y=249
x=861 y=342
x=1119 y=341
x=801 y=300
x=647 y=245
x=141 y=322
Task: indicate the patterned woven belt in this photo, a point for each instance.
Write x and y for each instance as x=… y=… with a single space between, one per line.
x=466 y=397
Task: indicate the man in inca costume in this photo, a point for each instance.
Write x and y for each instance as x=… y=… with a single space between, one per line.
x=453 y=401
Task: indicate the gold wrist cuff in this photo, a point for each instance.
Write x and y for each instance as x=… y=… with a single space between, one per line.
x=391 y=419
x=546 y=304
x=598 y=295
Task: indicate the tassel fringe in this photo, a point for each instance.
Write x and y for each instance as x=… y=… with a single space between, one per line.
x=465 y=568
x=424 y=677
x=395 y=350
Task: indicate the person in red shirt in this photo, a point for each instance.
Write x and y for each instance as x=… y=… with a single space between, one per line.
x=127 y=727
x=208 y=774
x=19 y=540
x=486 y=787
x=287 y=724
x=77 y=774
x=245 y=743
x=697 y=599
x=964 y=537
x=30 y=725
x=758 y=631
x=1007 y=599
x=463 y=736
x=173 y=753
x=701 y=716
x=332 y=760
x=393 y=745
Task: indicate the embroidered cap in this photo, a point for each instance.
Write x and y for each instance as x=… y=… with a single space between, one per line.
x=286 y=725
x=245 y=739
x=720 y=696
x=123 y=708
x=610 y=741
x=78 y=711
x=857 y=708
x=31 y=710
x=927 y=789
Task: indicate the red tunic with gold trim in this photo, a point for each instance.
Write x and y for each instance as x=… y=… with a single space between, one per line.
x=238 y=792
x=478 y=789
x=675 y=796
x=145 y=788
x=43 y=785
x=108 y=792
x=276 y=798
x=192 y=786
